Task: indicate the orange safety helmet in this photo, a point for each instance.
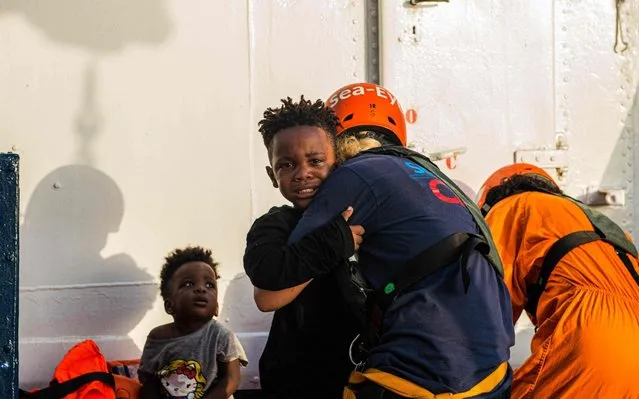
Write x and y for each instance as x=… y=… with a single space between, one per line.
x=367 y=106
x=503 y=174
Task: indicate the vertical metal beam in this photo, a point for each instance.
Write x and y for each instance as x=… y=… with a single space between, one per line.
x=372 y=41
x=9 y=205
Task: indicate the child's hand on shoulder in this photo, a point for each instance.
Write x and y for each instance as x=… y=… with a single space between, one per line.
x=357 y=230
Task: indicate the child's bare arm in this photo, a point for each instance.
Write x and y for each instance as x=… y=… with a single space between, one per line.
x=269 y=301
x=229 y=381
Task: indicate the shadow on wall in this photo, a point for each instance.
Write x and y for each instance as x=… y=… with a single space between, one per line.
x=68 y=289
x=466 y=189
x=96 y=25
x=620 y=171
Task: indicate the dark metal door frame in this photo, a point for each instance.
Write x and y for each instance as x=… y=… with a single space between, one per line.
x=9 y=256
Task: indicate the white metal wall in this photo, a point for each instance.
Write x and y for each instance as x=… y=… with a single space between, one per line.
x=136 y=126
x=496 y=77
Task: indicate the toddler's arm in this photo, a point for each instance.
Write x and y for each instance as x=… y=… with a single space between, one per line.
x=229 y=381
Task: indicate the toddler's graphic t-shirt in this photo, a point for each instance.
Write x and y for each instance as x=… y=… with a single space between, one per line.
x=187 y=366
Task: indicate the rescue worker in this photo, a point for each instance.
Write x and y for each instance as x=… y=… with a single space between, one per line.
x=575 y=273
x=440 y=316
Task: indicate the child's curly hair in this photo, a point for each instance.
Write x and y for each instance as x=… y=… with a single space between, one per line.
x=302 y=113
x=177 y=258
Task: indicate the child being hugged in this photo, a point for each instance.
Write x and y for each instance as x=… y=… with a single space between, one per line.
x=194 y=357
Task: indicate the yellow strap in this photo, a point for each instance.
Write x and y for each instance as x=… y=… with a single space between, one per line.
x=408 y=389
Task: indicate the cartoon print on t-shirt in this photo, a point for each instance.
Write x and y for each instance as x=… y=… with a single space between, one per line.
x=182 y=379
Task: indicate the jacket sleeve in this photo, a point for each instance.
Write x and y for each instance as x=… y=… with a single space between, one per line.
x=272 y=264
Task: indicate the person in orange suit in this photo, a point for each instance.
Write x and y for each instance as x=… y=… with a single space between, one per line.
x=575 y=273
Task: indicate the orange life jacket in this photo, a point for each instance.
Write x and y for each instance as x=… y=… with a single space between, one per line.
x=83 y=374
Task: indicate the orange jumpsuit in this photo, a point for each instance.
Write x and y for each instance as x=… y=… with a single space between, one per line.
x=587 y=341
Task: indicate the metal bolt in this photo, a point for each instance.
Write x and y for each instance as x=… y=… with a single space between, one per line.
x=56 y=185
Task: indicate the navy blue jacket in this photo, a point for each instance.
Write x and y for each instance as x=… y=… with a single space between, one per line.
x=436 y=334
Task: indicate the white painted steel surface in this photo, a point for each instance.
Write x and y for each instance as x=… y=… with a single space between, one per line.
x=136 y=126
x=497 y=77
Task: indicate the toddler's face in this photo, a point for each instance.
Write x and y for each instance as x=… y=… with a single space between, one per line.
x=194 y=292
